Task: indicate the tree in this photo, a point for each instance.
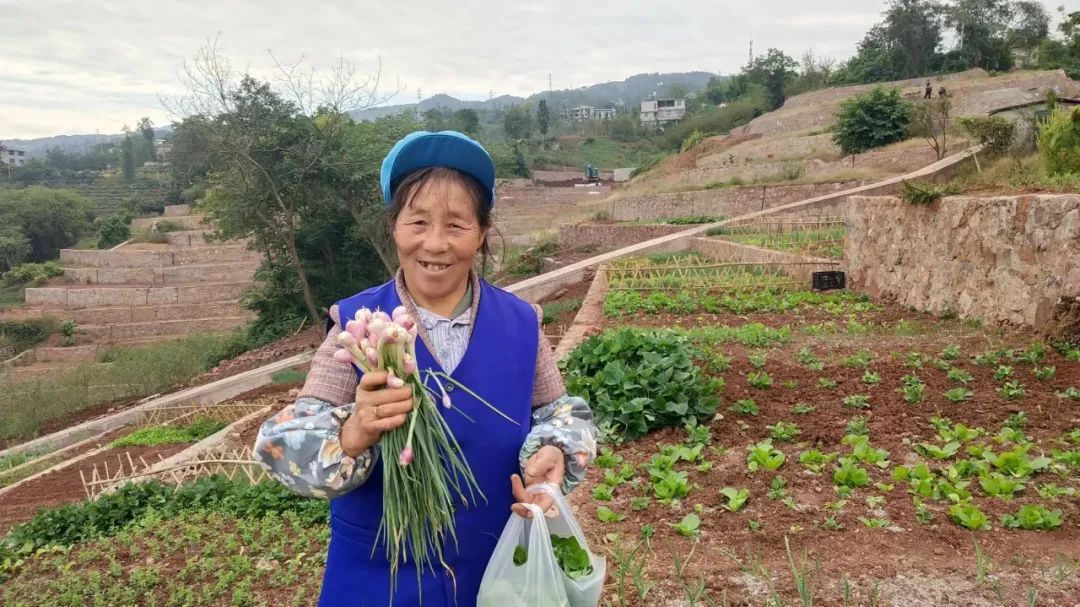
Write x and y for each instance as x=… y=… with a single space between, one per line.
x=14 y=246
x=714 y=92
x=774 y=71
x=913 y=32
x=517 y=123
x=1064 y=53
x=127 y=153
x=1031 y=25
x=931 y=119
x=49 y=219
x=274 y=150
x=981 y=28
x=467 y=121
x=814 y=74
x=871 y=120
x=543 y=117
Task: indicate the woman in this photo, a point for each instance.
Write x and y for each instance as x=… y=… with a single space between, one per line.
x=440 y=192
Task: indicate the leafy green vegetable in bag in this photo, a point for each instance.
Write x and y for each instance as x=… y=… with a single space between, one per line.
x=571 y=556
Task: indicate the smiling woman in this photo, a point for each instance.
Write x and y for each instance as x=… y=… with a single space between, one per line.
x=440 y=192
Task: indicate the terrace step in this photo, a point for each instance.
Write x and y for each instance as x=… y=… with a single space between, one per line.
x=39 y=371
x=125 y=314
x=178 y=223
x=165 y=275
x=66 y=355
x=177 y=210
x=137 y=330
x=188 y=238
x=127 y=258
x=93 y=296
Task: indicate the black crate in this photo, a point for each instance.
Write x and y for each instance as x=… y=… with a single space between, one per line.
x=826 y=281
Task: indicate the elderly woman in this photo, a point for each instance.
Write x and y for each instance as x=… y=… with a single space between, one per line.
x=439 y=188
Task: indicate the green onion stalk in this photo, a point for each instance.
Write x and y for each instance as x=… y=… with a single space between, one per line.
x=423 y=484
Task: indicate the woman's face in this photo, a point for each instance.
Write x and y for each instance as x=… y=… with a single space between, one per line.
x=438 y=235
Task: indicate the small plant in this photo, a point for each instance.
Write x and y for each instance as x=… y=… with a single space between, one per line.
x=697 y=434
x=958 y=394
x=968 y=516
x=688 y=526
x=784 y=431
x=745 y=406
x=791 y=384
x=1044 y=373
x=826 y=384
x=925 y=192
x=1003 y=372
x=943 y=452
x=759 y=379
x=923 y=513
x=815 y=460
x=671 y=485
x=638 y=504
x=831 y=524
x=999 y=485
x=806 y=357
x=951 y=352
x=914 y=360
x=849 y=474
x=1033 y=518
x=607 y=515
x=1071 y=393
x=875 y=523
x=1017 y=420
x=857 y=401
x=860 y=359
x=959 y=375
x=736 y=498
x=603 y=493
x=857 y=426
x=757 y=360
x=607 y=459
x=764 y=455
x=913 y=389
x=68 y=329
x=1012 y=390
x=870 y=379
x=803 y=409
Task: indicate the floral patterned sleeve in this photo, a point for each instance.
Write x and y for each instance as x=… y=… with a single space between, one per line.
x=299 y=448
x=566 y=423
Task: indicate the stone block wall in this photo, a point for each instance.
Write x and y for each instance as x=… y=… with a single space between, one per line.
x=606 y=237
x=1007 y=258
x=726 y=202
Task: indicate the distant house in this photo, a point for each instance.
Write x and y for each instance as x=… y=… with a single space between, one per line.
x=11 y=156
x=660 y=111
x=588 y=112
x=162 y=148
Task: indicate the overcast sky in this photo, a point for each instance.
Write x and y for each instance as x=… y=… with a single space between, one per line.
x=87 y=66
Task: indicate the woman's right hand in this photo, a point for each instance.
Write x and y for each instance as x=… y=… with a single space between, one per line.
x=378 y=409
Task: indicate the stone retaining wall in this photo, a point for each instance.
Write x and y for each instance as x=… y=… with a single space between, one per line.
x=801 y=269
x=725 y=202
x=1004 y=258
x=608 y=236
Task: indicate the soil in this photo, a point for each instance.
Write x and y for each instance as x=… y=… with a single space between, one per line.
x=910 y=563
x=66 y=486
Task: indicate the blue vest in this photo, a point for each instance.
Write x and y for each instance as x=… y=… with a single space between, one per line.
x=500 y=366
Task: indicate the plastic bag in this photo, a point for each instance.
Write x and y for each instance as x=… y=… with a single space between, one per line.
x=537 y=582
x=584 y=591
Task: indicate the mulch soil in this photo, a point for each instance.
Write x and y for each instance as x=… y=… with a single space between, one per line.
x=66 y=486
x=915 y=564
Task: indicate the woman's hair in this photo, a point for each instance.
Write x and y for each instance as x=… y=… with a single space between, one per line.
x=415 y=182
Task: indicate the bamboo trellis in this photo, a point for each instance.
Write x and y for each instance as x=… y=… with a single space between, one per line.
x=176 y=414
x=229 y=461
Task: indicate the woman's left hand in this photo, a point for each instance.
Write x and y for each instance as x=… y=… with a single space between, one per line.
x=545 y=466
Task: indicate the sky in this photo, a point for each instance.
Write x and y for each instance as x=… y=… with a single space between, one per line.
x=87 y=66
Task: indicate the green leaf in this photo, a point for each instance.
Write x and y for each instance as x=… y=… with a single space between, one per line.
x=688 y=526
x=607 y=515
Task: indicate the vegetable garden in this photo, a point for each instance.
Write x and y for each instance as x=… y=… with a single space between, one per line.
x=816 y=236
x=762 y=445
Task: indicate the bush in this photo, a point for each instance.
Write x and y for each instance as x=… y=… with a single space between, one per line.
x=694 y=220
x=32 y=273
x=637 y=381
x=20 y=335
x=871 y=120
x=113 y=230
x=531 y=260
x=1059 y=141
x=925 y=192
x=691 y=140
x=49 y=219
x=994 y=133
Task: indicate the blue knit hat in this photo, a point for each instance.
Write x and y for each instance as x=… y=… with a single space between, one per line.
x=449 y=149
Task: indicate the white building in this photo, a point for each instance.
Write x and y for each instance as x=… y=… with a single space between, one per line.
x=660 y=111
x=588 y=112
x=12 y=157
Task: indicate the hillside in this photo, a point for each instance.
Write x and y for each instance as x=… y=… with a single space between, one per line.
x=628 y=92
x=793 y=143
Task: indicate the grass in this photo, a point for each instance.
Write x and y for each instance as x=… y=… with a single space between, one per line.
x=598 y=151
x=826 y=241
x=10 y=461
x=288 y=376
x=1016 y=172
x=12 y=296
x=553 y=310
x=135 y=372
x=170 y=435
